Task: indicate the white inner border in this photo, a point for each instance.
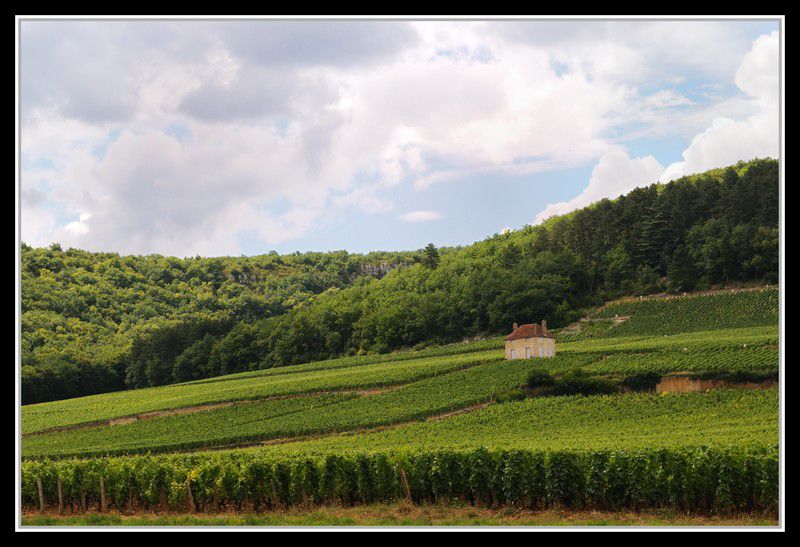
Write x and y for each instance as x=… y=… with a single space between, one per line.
x=781 y=267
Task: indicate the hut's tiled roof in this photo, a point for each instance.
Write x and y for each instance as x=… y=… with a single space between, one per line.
x=531 y=330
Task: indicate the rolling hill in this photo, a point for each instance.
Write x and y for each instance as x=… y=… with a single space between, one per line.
x=450 y=422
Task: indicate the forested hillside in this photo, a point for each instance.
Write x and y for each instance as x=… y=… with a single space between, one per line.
x=96 y=322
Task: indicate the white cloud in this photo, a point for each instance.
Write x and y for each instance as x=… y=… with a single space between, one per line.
x=759 y=72
x=38 y=225
x=667 y=98
x=728 y=140
x=79 y=227
x=615 y=174
x=153 y=193
x=420 y=216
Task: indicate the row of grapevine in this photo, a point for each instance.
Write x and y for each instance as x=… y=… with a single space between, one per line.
x=633 y=421
x=456 y=348
x=724 y=309
x=125 y=403
x=257 y=421
x=742 y=358
x=694 y=479
x=709 y=340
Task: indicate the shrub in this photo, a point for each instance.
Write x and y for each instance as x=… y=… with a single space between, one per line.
x=645 y=381
x=578 y=383
x=740 y=376
x=540 y=378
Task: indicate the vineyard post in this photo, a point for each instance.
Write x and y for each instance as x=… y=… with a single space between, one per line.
x=83 y=500
x=274 y=493
x=41 y=495
x=102 y=495
x=405 y=482
x=189 y=497
x=60 y=498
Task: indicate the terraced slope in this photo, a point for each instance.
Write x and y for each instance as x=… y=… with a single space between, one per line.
x=125 y=403
x=352 y=361
x=728 y=417
x=738 y=338
x=428 y=426
x=263 y=421
x=707 y=452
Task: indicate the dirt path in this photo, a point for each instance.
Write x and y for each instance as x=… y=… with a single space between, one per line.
x=456 y=412
x=400 y=514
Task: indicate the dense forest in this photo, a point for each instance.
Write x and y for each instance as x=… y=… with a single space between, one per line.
x=95 y=322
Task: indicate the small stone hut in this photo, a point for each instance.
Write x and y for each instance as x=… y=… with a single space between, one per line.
x=530 y=341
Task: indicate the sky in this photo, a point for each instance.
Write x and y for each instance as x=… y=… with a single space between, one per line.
x=236 y=137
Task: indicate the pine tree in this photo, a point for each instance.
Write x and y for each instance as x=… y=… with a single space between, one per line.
x=653 y=239
x=681 y=273
x=430 y=256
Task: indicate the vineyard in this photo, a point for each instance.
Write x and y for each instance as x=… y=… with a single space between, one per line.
x=631 y=421
x=253 y=422
x=442 y=423
x=113 y=405
x=697 y=479
x=694 y=312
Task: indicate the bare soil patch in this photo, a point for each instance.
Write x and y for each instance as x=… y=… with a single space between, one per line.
x=686 y=384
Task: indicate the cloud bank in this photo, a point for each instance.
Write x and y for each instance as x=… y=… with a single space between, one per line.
x=182 y=137
x=724 y=142
x=728 y=140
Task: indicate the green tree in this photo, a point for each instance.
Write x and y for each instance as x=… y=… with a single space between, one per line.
x=430 y=256
x=681 y=273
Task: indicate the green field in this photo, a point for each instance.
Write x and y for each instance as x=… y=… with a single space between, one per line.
x=259 y=421
x=709 y=340
x=352 y=361
x=125 y=403
x=727 y=417
x=380 y=408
